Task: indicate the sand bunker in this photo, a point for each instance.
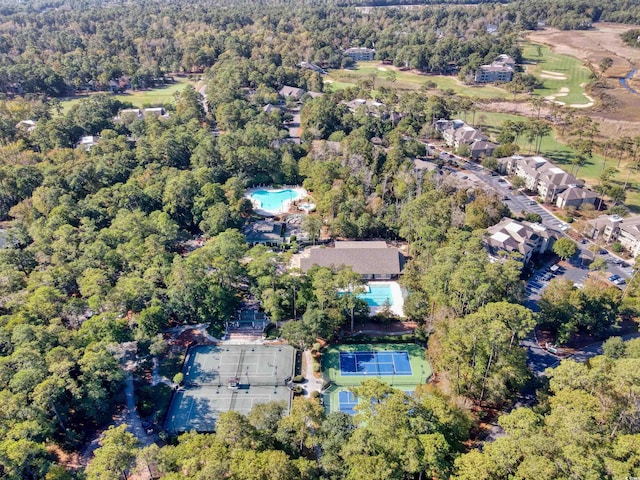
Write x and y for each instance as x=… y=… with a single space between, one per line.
x=383 y=69
x=552 y=75
x=564 y=91
x=591 y=103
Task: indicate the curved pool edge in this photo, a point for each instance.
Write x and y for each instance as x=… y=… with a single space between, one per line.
x=284 y=206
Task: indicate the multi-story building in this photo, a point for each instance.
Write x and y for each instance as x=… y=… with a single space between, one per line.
x=457 y=133
x=510 y=237
x=613 y=228
x=360 y=53
x=499 y=71
x=551 y=183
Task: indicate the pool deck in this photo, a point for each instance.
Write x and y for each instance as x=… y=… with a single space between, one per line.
x=397 y=305
x=285 y=205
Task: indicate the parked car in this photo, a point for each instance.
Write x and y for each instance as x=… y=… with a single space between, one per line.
x=613 y=278
x=583 y=241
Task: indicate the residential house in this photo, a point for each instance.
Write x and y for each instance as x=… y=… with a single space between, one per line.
x=88 y=141
x=370 y=107
x=26 y=126
x=491 y=28
x=499 y=71
x=522 y=238
x=313 y=67
x=373 y=108
x=613 y=228
x=544 y=178
x=315 y=94
x=374 y=260
x=291 y=92
x=575 y=196
x=358 y=53
x=265 y=232
x=268 y=108
x=128 y=115
x=154 y=112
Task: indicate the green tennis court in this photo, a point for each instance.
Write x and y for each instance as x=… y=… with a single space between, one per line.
x=221 y=378
x=401 y=365
x=199 y=408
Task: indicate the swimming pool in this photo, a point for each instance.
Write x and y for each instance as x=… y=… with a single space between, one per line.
x=378 y=295
x=274 y=201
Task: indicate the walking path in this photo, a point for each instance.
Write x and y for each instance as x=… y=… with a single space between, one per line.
x=312 y=384
x=129 y=415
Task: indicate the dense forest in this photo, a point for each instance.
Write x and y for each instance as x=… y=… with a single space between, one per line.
x=585 y=428
x=59 y=48
x=113 y=244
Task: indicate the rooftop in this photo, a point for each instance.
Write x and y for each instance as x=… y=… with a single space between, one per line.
x=366 y=258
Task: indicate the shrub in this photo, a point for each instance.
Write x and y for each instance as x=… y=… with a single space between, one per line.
x=620 y=210
x=297 y=390
x=316 y=367
x=616 y=247
x=315 y=394
x=298 y=379
x=178 y=378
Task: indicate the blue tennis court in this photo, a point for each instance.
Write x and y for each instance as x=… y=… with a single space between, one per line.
x=374 y=363
x=347 y=402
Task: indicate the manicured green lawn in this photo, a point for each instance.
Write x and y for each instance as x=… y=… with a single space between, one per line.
x=139 y=98
x=551 y=148
x=392 y=78
x=562 y=155
x=569 y=72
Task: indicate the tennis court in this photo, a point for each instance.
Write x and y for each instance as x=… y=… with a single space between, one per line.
x=251 y=364
x=347 y=402
x=199 y=408
x=220 y=378
x=401 y=365
x=375 y=363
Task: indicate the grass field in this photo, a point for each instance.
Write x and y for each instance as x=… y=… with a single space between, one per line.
x=139 y=98
x=562 y=155
x=420 y=369
x=563 y=77
x=391 y=77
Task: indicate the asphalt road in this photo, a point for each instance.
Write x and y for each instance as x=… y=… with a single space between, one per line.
x=539 y=359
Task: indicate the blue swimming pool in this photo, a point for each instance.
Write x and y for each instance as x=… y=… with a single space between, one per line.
x=273 y=200
x=377 y=295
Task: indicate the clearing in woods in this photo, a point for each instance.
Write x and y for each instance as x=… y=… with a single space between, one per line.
x=392 y=77
x=139 y=98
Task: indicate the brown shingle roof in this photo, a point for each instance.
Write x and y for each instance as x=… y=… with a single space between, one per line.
x=365 y=259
